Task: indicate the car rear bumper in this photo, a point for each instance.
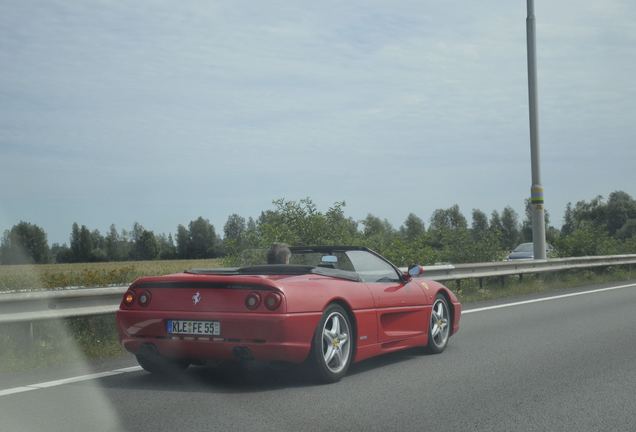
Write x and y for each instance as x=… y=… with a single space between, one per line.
x=267 y=337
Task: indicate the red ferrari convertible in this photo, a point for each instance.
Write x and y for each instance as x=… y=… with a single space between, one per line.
x=329 y=306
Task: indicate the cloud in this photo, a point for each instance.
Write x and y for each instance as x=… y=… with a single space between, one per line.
x=243 y=102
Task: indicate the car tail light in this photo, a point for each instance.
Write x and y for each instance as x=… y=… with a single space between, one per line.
x=252 y=301
x=129 y=298
x=272 y=301
x=144 y=298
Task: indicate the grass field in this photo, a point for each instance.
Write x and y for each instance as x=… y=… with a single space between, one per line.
x=47 y=276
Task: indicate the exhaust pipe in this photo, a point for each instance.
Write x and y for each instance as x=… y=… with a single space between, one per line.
x=148 y=350
x=242 y=353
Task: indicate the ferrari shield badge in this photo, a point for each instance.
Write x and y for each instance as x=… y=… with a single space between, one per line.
x=196 y=298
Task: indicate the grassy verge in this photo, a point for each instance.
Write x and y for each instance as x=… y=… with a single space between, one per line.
x=59 y=342
x=469 y=291
x=79 y=339
x=47 y=276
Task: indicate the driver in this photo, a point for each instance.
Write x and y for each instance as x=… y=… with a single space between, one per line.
x=279 y=253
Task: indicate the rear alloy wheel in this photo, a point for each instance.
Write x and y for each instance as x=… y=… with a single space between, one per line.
x=332 y=346
x=160 y=365
x=439 y=325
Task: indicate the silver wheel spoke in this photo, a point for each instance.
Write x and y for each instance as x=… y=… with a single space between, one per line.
x=343 y=339
x=435 y=330
x=327 y=337
x=338 y=355
x=440 y=310
x=331 y=352
x=335 y=326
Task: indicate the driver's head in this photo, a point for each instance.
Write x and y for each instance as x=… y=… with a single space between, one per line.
x=279 y=253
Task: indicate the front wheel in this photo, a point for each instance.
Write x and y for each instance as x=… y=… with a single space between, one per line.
x=332 y=347
x=439 y=325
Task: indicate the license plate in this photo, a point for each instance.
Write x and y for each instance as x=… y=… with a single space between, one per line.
x=203 y=328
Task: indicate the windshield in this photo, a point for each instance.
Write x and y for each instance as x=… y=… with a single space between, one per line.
x=525 y=247
x=368 y=266
x=354 y=264
x=258 y=256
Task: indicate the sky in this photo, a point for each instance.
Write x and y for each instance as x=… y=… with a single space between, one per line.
x=160 y=112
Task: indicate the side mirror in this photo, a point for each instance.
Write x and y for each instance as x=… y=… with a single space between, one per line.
x=416 y=270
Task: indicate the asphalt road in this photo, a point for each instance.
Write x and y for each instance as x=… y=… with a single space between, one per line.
x=567 y=364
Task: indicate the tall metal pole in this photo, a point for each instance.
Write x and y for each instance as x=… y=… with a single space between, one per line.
x=536 y=191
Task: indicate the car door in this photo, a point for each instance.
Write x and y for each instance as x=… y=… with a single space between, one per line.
x=400 y=306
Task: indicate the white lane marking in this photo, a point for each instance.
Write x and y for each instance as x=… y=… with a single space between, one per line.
x=48 y=384
x=128 y=369
x=59 y=382
x=15 y=390
x=542 y=299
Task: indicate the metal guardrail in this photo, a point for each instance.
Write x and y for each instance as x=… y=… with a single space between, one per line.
x=518 y=267
x=42 y=305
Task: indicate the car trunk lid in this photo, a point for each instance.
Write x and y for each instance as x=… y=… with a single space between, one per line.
x=201 y=293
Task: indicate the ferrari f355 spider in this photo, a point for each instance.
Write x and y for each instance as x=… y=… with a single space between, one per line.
x=329 y=307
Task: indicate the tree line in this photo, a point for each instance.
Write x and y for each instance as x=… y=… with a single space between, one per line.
x=596 y=227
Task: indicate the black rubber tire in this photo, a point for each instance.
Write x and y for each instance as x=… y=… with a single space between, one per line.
x=319 y=368
x=432 y=347
x=160 y=365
